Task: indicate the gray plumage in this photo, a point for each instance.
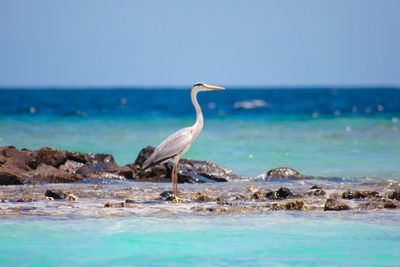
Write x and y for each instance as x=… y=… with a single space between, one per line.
x=176 y=144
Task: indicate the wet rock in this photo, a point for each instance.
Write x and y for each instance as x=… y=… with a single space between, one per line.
x=334 y=204
x=390 y=205
x=48 y=156
x=282 y=172
x=283 y=192
x=316 y=187
x=359 y=194
x=72 y=197
x=203 y=197
x=258 y=195
x=49 y=165
x=290 y=205
x=317 y=192
x=167 y=195
x=189 y=171
x=55 y=194
x=395 y=194
x=119 y=205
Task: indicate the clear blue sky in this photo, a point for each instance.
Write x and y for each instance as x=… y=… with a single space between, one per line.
x=155 y=43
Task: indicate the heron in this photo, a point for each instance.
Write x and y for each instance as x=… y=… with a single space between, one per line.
x=177 y=144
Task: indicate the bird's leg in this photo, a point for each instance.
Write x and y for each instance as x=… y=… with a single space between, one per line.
x=175 y=180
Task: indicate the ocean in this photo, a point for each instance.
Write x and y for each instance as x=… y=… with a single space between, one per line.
x=323 y=132
x=345 y=133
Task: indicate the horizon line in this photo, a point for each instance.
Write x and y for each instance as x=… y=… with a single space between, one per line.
x=181 y=87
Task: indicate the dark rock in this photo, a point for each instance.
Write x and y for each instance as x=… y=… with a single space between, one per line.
x=144 y=154
x=208 y=170
x=189 y=171
x=283 y=192
x=390 y=205
x=334 y=204
x=49 y=156
x=56 y=194
x=119 y=205
x=317 y=192
x=258 y=195
x=167 y=195
x=395 y=194
x=359 y=194
x=130 y=201
x=202 y=197
x=316 y=187
x=282 y=172
x=49 y=165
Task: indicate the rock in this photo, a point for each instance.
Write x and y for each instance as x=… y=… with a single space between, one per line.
x=189 y=171
x=390 y=205
x=202 y=197
x=258 y=195
x=119 y=205
x=55 y=194
x=282 y=172
x=395 y=194
x=316 y=187
x=130 y=201
x=49 y=165
x=334 y=204
x=167 y=195
x=72 y=197
x=359 y=194
x=316 y=192
x=283 y=192
x=296 y=205
x=49 y=156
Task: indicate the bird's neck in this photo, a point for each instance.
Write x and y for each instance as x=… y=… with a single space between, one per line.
x=198 y=125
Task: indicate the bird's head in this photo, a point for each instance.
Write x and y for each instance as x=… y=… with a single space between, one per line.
x=206 y=87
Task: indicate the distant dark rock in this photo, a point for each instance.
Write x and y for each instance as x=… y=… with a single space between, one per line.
x=395 y=194
x=56 y=194
x=359 y=194
x=282 y=172
x=334 y=204
x=167 y=195
x=316 y=192
x=316 y=187
x=283 y=192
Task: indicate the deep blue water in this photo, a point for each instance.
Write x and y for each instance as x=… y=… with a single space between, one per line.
x=173 y=102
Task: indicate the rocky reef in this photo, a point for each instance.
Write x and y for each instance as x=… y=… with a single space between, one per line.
x=49 y=165
x=54 y=182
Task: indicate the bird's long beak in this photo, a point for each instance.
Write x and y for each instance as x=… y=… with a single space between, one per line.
x=213 y=87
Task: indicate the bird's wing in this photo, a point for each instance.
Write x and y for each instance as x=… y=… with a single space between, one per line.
x=170 y=147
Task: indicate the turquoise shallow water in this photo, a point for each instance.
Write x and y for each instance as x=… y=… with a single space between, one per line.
x=268 y=239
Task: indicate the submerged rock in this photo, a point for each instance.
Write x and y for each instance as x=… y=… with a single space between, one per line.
x=282 y=172
x=359 y=194
x=334 y=204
